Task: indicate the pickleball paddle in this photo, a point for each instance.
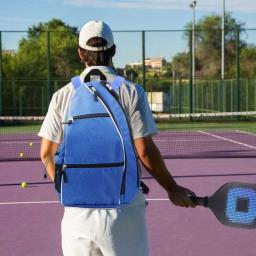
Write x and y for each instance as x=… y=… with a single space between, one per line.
x=234 y=204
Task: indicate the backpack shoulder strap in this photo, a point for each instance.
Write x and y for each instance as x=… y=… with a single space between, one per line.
x=76 y=82
x=117 y=82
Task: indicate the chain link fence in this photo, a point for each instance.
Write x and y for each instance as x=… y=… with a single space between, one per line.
x=27 y=94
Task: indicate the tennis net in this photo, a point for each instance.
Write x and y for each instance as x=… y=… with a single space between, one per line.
x=198 y=135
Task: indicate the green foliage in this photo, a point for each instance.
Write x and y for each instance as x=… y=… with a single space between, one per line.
x=208 y=45
x=154 y=85
x=31 y=58
x=8 y=64
x=180 y=64
x=248 y=61
x=132 y=73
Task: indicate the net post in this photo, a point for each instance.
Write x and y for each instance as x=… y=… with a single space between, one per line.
x=49 y=89
x=1 y=75
x=238 y=68
x=190 y=73
x=143 y=60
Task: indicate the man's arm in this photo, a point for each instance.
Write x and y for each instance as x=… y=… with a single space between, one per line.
x=47 y=152
x=152 y=160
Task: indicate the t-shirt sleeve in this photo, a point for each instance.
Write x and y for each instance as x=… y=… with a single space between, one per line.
x=51 y=128
x=141 y=119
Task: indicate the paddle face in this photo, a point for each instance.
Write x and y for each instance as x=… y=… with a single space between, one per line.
x=234 y=204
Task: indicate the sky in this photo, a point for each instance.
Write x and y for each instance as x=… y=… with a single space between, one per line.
x=19 y=15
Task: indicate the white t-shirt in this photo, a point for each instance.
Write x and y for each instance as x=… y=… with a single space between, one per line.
x=131 y=96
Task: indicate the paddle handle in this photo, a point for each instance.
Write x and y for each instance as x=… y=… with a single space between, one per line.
x=202 y=201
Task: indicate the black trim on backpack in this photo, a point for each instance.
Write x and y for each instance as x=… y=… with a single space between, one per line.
x=122 y=192
x=102 y=165
x=115 y=95
x=59 y=173
x=94 y=72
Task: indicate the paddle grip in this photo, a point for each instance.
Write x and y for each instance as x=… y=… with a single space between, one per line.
x=202 y=201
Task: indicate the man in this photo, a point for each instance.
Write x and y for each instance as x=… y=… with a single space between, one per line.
x=108 y=232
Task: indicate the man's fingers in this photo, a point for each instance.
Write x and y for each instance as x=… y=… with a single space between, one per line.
x=180 y=197
x=182 y=201
x=189 y=192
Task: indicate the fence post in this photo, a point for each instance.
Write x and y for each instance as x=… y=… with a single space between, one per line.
x=1 y=75
x=180 y=96
x=238 y=68
x=143 y=61
x=13 y=97
x=190 y=74
x=49 y=88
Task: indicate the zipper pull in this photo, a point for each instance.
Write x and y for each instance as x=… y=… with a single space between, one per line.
x=64 y=166
x=71 y=120
x=95 y=93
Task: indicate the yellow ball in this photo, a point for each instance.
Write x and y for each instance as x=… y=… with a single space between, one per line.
x=30 y=144
x=24 y=184
x=21 y=155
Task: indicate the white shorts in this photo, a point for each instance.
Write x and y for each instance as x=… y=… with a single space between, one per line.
x=105 y=232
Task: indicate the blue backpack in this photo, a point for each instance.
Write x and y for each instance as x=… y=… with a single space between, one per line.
x=96 y=165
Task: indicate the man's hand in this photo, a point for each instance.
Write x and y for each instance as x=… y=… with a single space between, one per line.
x=180 y=196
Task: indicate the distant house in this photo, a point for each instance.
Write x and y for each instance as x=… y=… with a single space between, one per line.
x=155 y=63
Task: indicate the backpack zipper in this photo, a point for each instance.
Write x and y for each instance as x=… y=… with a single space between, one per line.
x=106 y=165
x=113 y=93
x=103 y=165
x=73 y=118
x=98 y=96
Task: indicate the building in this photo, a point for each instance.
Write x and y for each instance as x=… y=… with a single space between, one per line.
x=155 y=63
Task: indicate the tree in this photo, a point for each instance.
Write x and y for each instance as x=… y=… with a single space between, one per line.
x=248 y=61
x=8 y=64
x=208 y=46
x=131 y=72
x=27 y=69
x=180 y=64
x=31 y=57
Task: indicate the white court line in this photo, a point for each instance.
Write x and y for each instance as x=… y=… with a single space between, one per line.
x=228 y=140
x=38 y=202
x=56 y=202
x=183 y=140
x=157 y=199
x=19 y=142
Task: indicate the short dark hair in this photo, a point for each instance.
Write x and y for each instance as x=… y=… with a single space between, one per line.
x=98 y=58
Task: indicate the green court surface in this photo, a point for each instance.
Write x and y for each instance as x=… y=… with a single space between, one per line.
x=171 y=125
x=21 y=129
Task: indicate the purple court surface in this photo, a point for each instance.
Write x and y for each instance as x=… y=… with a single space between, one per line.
x=30 y=218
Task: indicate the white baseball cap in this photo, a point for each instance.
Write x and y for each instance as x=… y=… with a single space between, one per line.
x=95 y=29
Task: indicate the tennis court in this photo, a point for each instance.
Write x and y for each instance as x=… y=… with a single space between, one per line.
x=202 y=156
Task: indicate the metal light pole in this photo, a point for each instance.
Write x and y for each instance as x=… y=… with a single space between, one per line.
x=193 y=6
x=1 y=75
x=223 y=42
x=223 y=58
